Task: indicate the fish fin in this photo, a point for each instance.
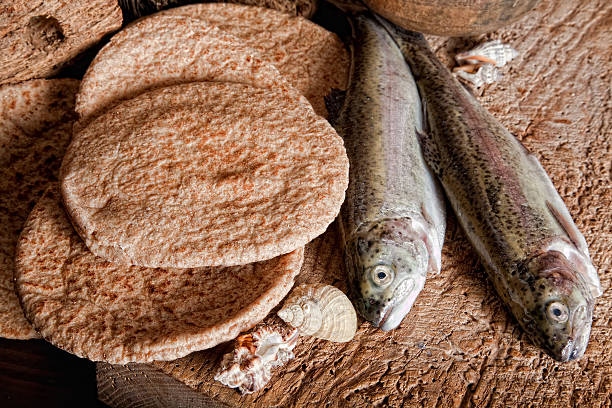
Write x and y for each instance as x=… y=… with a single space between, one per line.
x=334 y=102
x=556 y=206
x=583 y=264
x=430 y=152
x=570 y=229
x=581 y=257
x=434 y=264
x=424 y=119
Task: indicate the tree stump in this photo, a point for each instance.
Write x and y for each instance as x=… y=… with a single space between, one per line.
x=458 y=346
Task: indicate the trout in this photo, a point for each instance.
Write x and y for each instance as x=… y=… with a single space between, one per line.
x=530 y=247
x=393 y=219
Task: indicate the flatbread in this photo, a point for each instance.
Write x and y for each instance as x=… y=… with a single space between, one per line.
x=202 y=174
x=311 y=58
x=105 y=312
x=167 y=50
x=35 y=125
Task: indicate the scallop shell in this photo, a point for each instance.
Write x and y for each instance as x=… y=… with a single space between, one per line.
x=249 y=366
x=321 y=311
x=493 y=52
x=486 y=74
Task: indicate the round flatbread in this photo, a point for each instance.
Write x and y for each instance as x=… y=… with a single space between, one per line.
x=310 y=58
x=167 y=50
x=204 y=174
x=106 y=312
x=35 y=125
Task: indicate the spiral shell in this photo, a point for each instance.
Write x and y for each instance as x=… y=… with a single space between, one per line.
x=321 y=311
x=249 y=366
x=492 y=52
x=486 y=74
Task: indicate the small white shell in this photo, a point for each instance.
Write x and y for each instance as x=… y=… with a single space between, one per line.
x=249 y=366
x=492 y=52
x=321 y=311
x=486 y=74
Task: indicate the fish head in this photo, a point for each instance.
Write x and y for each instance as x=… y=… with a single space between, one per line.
x=387 y=271
x=562 y=307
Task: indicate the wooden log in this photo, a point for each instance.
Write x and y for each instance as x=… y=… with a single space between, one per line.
x=459 y=346
x=38 y=38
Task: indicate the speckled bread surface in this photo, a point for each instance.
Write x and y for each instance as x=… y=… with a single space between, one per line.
x=106 y=312
x=158 y=51
x=35 y=124
x=139 y=8
x=311 y=58
x=204 y=174
x=39 y=37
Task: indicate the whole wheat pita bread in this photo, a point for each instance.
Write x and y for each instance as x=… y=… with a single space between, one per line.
x=35 y=125
x=310 y=58
x=105 y=312
x=202 y=174
x=166 y=50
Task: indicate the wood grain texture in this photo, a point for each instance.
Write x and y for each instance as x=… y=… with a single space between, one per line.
x=459 y=346
x=38 y=38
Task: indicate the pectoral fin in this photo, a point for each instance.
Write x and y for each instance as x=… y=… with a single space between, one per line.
x=580 y=256
x=432 y=244
x=569 y=227
x=430 y=152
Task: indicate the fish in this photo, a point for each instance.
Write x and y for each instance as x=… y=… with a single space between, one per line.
x=533 y=253
x=393 y=220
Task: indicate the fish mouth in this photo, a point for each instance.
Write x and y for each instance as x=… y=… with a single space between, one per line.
x=572 y=351
x=386 y=315
x=579 y=339
x=404 y=296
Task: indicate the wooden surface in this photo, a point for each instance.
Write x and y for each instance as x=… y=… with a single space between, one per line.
x=38 y=38
x=459 y=346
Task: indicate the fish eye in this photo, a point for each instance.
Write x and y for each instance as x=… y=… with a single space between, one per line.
x=557 y=312
x=382 y=275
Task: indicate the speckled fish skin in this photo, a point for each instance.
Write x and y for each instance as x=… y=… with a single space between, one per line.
x=393 y=218
x=533 y=253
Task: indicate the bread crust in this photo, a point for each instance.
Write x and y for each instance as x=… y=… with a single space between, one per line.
x=204 y=174
x=309 y=57
x=36 y=119
x=106 y=312
x=159 y=51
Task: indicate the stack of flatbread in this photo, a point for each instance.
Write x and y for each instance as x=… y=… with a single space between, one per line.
x=199 y=167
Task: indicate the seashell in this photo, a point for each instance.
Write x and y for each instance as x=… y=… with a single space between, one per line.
x=249 y=366
x=492 y=52
x=486 y=74
x=321 y=311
